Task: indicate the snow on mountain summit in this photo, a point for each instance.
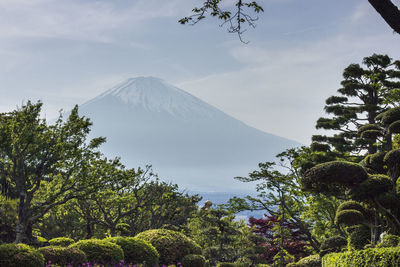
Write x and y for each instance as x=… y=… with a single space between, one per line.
x=155 y=95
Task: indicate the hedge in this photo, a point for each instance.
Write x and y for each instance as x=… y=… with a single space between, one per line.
x=63 y=256
x=310 y=261
x=12 y=255
x=61 y=241
x=100 y=251
x=136 y=250
x=192 y=260
x=363 y=258
x=171 y=245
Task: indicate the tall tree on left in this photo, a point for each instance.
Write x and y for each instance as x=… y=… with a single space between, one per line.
x=45 y=165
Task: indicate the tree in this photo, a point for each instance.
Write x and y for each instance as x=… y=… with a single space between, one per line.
x=46 y=165
x=273 y=230
x=279 y=193
x=242 y=14
x=364 y=95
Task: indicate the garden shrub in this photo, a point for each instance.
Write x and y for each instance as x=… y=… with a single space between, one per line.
x=136 y=250
x=349 y=217
x=364 y=258
x=392 y=158
x=171 y=245
x=63 y=256
x=226 y=264
x=310 y=261
x=333 y=173
x=359 y=237
x=332 y=244
x=376 y=184
x=394 y=127
x=351 y=205
x=389 y=240
x=193 y=260
x=12 y=255
x=390 y=116
x=61 y=241
x=100 y=251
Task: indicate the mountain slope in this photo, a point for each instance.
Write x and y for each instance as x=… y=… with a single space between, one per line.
x=147 y=121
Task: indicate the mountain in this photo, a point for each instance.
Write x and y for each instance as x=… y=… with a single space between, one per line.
x=188 y=142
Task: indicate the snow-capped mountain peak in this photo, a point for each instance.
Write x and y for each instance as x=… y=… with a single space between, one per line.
x=154 y=94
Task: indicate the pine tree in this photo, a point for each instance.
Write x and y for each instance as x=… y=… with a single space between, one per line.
x=365 y=93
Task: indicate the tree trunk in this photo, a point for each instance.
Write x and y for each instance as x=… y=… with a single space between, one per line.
x=22 y=223
x=389 y=12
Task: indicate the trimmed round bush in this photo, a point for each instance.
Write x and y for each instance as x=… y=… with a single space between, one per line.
x=370 y=134
x=390 y=116
x=323 y=177
x=332 y=244
x=12 y=255
x=63 y=256
x=136 y=250
x=394 y=127
x=392 y=158
x=351 y=205
x=389 y=201
x=100 y=251
x=359 y=237
x=349 y=217
x=193 y=260
x=61 y=241
x=374 y=163
x=389 y=240
x=310 y=261
x=375 y=185
x=171 y=245
x=367 y=127
x=226 y=264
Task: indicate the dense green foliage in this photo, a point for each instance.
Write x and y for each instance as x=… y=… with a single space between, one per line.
x=310 y=261
x=12 y=255
x=136 y=251
x=363 y=258
x=63 y=256
x=332 y=244
x=100 y=251
x=61 y=241
x=171 y=245
x=192 y=260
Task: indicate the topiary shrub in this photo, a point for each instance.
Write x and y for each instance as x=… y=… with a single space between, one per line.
x=376 y=184
x=226 y=264
x=389 y=201
x=136 y=250
x=367 y=127
x=193 y=260
x=327 y=176
x=12 y=255
x=100 y=251
x=310 y=261
x=171 y=245
x=374 y=163
x=61 y=241
x=332 y=244
x=349 y=217
x=351 y=205
x=390 y=116
x=389 y=257
x=394 y=127
x=359 y=237
x=370 y=135
x=389 y=240
x=63 y=256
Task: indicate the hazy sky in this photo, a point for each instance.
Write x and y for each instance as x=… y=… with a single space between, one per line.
x=66 y=52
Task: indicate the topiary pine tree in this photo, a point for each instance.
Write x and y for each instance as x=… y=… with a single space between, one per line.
x=365 y=93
